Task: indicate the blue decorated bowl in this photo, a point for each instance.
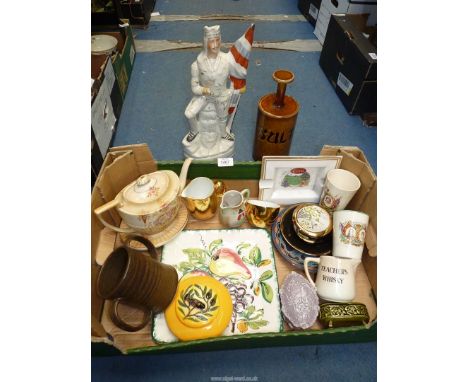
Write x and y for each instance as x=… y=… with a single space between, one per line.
x=291 y=255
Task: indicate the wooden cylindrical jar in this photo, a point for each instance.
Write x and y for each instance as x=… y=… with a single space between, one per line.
x=276 y=119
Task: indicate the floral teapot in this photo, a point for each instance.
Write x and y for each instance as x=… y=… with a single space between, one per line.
x=149 y=204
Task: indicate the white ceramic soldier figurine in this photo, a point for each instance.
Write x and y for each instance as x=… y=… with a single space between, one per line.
x=207 y=112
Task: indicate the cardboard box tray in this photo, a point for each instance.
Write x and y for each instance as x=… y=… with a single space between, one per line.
x=124 y=164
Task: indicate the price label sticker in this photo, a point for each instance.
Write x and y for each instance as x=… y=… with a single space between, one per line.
x=225 y=162
x=132 y=54
x=313 y=11
x=344 y=84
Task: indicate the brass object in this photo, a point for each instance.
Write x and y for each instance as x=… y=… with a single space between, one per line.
x=201 y=197
x=311 y=222
x=343 y=314
x=261 y=214
x=276 y=119
x=202 y=209
x=287 y=232
x=219 y=188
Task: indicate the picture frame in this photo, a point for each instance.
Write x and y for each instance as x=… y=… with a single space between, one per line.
x=289 y=180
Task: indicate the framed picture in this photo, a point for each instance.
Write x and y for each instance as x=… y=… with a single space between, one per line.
x=294 y=179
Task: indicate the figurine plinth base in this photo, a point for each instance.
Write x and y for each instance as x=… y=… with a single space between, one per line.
x=202 y=147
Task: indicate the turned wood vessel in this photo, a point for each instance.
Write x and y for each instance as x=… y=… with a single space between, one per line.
x=276 y=119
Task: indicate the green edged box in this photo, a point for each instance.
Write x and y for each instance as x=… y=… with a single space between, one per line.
x=124 y=164
x=124 y=58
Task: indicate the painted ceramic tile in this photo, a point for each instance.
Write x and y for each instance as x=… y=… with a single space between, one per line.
x=242 y=259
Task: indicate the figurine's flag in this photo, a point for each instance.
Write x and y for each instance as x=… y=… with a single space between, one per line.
x=239 y=56
x=240 y=52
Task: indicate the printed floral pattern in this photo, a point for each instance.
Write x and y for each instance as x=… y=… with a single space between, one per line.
x=159 y=220
x=313 y=218
x=251 y=319
x=153 y=192
x=242 y=262
x=353 y=233
x=197 y=303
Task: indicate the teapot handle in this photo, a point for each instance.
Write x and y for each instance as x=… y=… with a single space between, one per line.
x=183 y=174
x=308 y=260
x=100 y=210
x=148 y=244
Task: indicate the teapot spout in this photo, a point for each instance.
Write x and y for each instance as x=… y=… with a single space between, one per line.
x=183 y=174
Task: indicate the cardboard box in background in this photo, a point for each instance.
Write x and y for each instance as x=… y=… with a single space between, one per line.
x=103 y=118
x=310 y=9
x=123 y=60
x=110 y=77
x=349 y=60
x=102 y=71
x=329 y=7
x=138 y=12
x=124 y=164
x=365 y=200
x=96 y=159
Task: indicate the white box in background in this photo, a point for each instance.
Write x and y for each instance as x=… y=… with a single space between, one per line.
x=329 y=7
x=102 y=113
x=313 y=11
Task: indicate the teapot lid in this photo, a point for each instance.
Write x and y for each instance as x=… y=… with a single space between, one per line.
x=150 y=192
x=312 y=221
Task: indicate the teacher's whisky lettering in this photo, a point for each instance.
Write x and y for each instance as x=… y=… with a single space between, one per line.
x=338 y=271
x=332 y=279
x=333 y=270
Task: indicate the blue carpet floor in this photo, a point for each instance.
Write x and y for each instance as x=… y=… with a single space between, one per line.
x=154 y=106
x=192 y=31
x=159 y=89
x=158 y=93
x=227 y=7
x=350 y=363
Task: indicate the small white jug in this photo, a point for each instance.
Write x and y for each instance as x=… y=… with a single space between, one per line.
x=232 y=207
x=335 y=279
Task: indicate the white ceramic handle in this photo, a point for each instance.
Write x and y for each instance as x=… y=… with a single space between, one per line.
x=100 y=210
x=183 y=174
x=306 y=267
x=245 y=194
